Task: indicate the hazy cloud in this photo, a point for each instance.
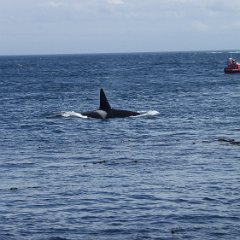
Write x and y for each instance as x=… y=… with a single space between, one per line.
x=117 y=2
x=117 y=25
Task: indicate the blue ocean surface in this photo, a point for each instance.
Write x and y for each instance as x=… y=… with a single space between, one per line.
x=173 y=173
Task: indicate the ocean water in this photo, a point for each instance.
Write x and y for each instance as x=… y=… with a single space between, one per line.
x=173 y=173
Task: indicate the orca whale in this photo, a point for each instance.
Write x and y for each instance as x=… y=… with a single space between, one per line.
x=106 y=111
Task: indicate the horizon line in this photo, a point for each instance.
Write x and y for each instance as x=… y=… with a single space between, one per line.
x=112 y=53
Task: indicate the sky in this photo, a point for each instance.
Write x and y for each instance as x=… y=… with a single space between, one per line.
x=117 y=26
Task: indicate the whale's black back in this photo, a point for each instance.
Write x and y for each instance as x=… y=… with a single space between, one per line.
x=106 y=111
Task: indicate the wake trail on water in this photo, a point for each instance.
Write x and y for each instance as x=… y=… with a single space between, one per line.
x=150 y=113
x=72 y=114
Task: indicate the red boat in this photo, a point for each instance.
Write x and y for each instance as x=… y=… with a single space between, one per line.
x=233 y=66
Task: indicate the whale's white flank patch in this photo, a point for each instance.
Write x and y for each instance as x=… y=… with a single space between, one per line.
x=102 y=113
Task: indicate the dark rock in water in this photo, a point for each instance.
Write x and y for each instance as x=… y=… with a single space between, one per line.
x=57 y=238
x=13 y=189
x=230 y=141
x=100 y=162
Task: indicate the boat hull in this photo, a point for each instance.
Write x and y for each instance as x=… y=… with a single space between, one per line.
x=231 y=70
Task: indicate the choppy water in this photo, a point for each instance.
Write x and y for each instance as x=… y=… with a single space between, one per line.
x=172 y=175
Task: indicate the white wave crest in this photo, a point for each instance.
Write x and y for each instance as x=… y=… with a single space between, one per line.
x=72 y=114
x=148 y=113
x=237 y=51
x=215 y=52
x=153 y=113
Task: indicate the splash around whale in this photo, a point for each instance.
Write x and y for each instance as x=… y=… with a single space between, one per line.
x=105 y=111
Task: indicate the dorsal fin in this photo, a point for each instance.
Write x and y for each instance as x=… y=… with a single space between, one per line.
x=104 y=104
